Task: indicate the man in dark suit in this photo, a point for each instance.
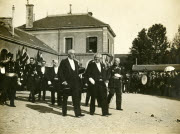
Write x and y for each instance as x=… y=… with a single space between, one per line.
x=96 y=74
x=31 y=74
x=54 y=80
x=69 y=74
x=43 y=74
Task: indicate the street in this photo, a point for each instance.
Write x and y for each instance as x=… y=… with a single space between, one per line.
x=141 y=114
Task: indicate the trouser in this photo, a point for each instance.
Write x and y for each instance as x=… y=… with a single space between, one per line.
x=88 y=95
x=31 y=85
x=44 y=94
x=56 y=88
x=43 y=88
x=99 y=91
x=10 y=87
x=76 y=102
x=87 y=98
x=118 y=96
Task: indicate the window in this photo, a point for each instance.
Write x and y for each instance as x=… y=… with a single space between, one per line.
x=68 y=44
x=91 y=44
x=108 y=46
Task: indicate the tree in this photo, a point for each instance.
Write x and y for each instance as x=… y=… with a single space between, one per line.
x=175 y=50
x=141 y=48
x=158 y=39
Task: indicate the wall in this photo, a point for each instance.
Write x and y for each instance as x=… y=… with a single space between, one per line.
x=111 y=43
x=13 y=48
x=50 y=37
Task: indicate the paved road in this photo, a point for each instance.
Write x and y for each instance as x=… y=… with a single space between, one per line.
x=141 y=114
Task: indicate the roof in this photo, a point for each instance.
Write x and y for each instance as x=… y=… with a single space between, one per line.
x=68 y=21
x=160 y=67
x=24 y=38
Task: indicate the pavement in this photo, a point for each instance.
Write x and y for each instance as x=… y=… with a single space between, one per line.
x=142 y=114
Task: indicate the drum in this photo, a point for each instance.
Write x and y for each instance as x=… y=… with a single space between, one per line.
x=144 y=79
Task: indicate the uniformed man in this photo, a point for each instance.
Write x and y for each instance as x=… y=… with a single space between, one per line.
x=11 y=76
x=31 y=73
x=115 y=77
x=3 y=60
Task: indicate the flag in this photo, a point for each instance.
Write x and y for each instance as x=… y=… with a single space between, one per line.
x=39 y=57
x=18 y=54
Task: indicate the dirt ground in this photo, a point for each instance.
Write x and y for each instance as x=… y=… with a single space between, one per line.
x=142 y=114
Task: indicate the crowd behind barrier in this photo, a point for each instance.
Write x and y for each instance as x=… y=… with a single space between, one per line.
x=156 y=83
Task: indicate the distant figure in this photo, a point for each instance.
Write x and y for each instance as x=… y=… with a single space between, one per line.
x=31 y=74
x=43 y=74
x=54 y=80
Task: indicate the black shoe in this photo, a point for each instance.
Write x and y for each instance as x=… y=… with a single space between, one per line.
x=119 y=109
x=12 y=106
x=77 y=116
x=105 y=115
x=108 y=114
x=64 y=114
x=91 y=113
x=82 y=115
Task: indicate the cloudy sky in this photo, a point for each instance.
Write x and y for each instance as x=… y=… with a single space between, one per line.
x=126 y=17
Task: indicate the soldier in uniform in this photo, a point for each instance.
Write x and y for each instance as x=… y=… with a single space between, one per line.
x=3 y=60
x=31 y=73
x=11 y=76
x=115 y=83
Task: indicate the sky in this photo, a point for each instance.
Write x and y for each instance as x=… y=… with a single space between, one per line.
x=126 y=17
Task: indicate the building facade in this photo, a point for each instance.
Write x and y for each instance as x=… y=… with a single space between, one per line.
x=81 y=32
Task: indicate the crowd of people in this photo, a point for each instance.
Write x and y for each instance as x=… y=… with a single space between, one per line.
x=66 y=79
x=164 y=83
x=69 y=78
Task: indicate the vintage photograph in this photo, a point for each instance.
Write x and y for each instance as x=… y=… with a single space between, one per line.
x=89 y=66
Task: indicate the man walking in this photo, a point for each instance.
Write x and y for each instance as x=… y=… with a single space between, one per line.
x=115 y=76
x=96 y=74
x=70 y=77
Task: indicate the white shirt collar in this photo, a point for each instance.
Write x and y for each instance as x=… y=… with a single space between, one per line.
x=55 y=70
x=98 y=66
x=71 y=61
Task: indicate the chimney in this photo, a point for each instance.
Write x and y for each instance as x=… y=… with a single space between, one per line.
x=90 y=13
x=29 y=15
x=13 y=9
x=70 y=10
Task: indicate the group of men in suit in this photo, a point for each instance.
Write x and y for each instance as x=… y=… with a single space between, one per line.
x=64 y=79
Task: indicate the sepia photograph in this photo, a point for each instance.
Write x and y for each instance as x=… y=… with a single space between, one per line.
x=89 y=66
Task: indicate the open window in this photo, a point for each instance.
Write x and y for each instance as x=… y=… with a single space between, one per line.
x=91 y=44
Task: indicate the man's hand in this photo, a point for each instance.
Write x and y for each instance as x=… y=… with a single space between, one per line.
x=92 y=81
x=49 y=83
x=64 y=83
